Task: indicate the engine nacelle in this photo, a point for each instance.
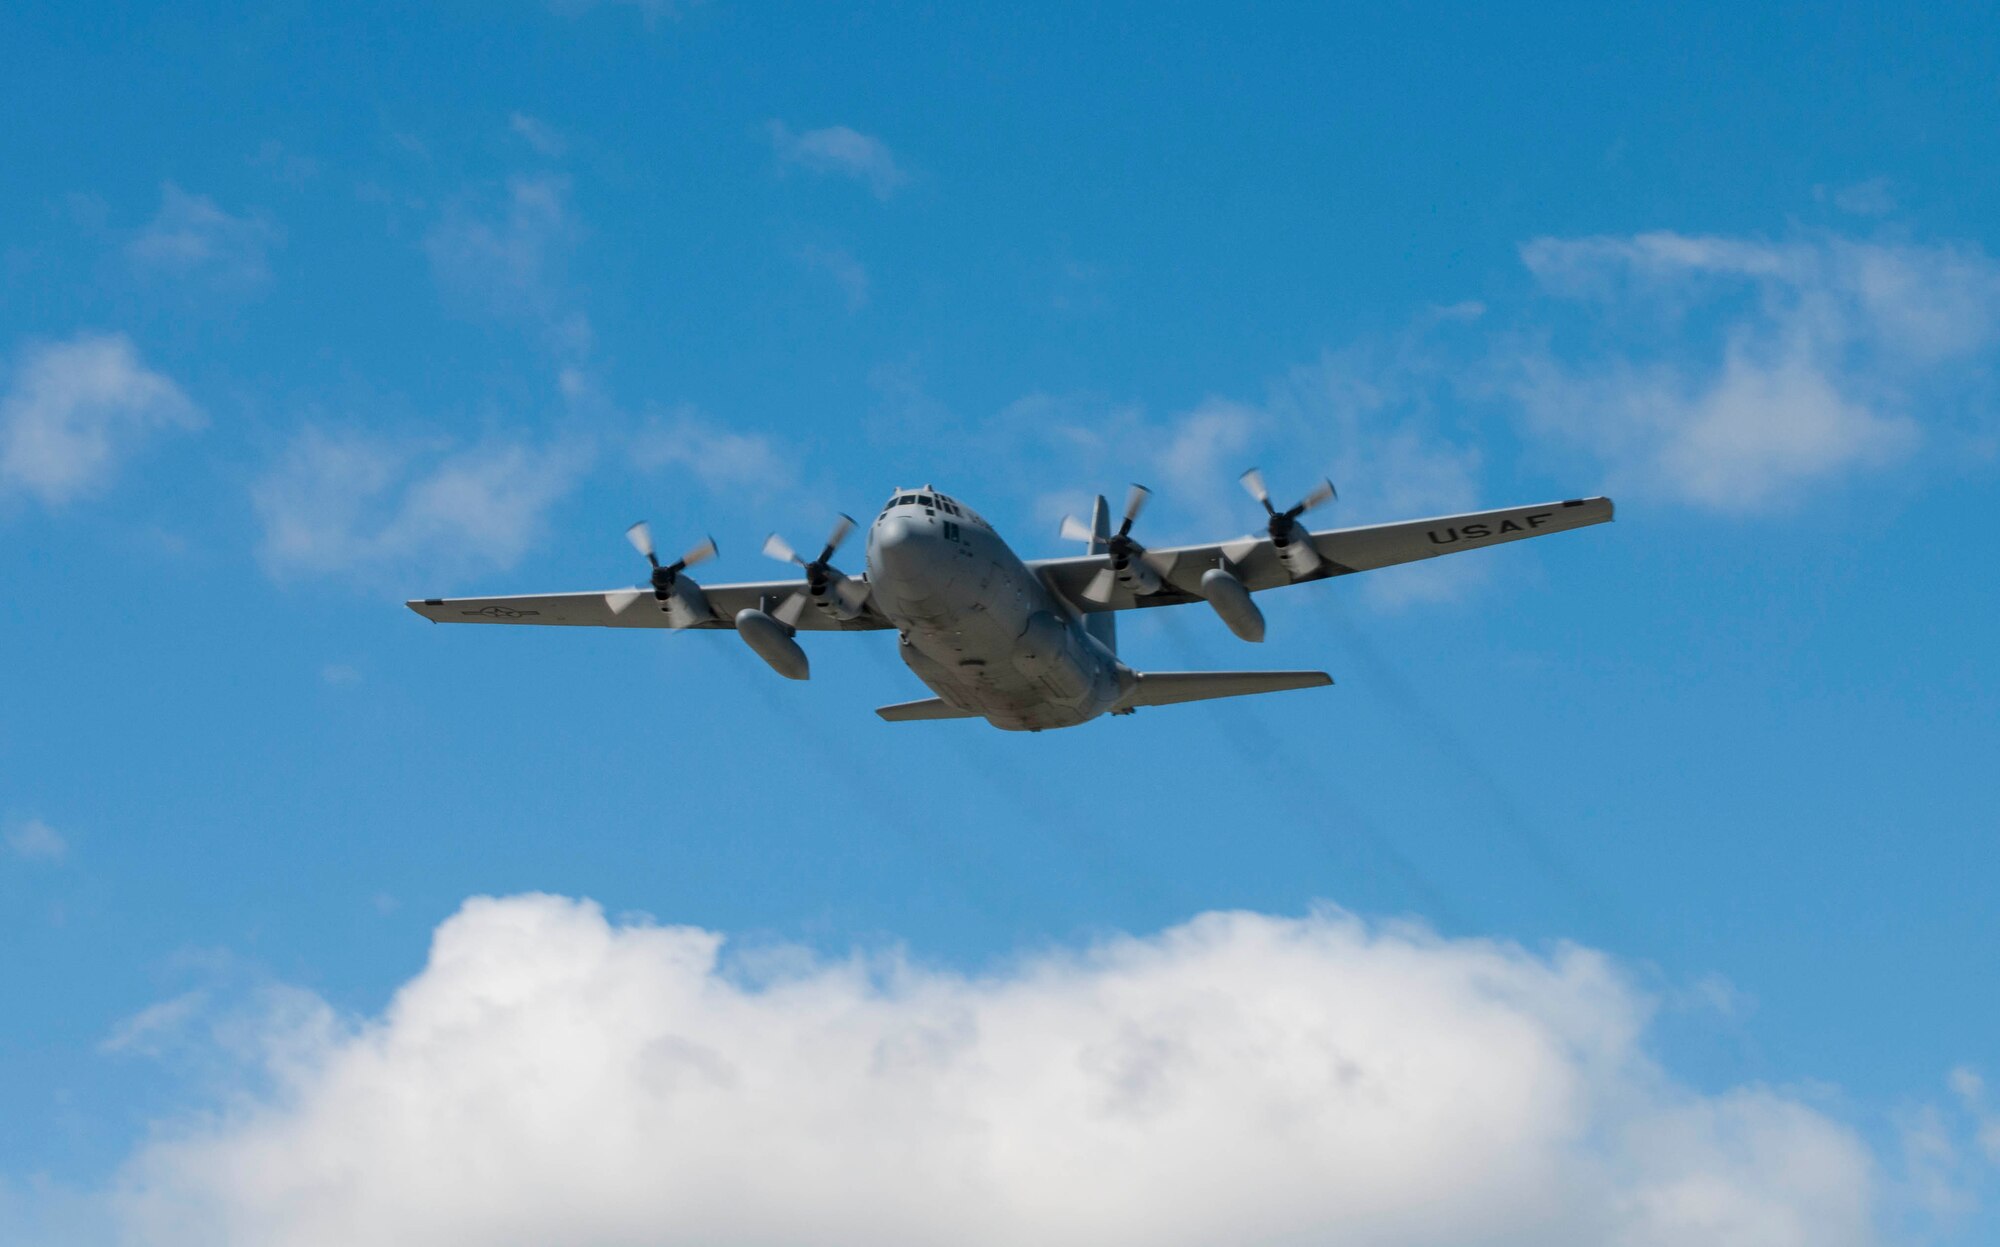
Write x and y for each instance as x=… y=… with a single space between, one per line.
x=773 y=643
x=1296 y=550
x=1232 y=603
x=830 y=603
x=686 y=604
x=1136 y=577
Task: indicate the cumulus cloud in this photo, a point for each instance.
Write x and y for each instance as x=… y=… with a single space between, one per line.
x=507 y=260
x=351 y=503
x=36 y=841
x=841 y=151
x=553 y=1077
x=721 y=458
x=74 y=409
x=191 y=237
x=1734 y=373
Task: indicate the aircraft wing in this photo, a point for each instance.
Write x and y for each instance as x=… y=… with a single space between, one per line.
x=1342 y=551
x=596 y=609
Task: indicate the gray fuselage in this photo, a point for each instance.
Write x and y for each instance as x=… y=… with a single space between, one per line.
x=979 y=627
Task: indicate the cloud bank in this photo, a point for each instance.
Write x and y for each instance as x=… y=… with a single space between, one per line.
x=551 y=1076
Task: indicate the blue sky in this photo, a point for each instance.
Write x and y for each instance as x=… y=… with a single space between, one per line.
x=305 y=310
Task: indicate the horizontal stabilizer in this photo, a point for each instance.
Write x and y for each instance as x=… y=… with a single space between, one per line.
x=1165 y=688
x=928 y=708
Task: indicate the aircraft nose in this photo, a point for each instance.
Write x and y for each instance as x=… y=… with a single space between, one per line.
x=895 y=540
x=902 y=548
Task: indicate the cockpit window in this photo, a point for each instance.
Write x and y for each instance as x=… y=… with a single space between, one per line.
x=938 y=501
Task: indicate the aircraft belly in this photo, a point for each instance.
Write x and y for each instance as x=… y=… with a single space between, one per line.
x=1027 y=676
x=984 y=634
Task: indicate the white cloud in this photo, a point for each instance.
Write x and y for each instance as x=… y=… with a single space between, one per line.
x=551 y=1077
x=508 y=260
x=75 y=409
x=192 y=237
x=344 y=502
x=840 y=150
x=544 y=138
x=36 y=841
x=1735 y=373
x=1200 y=444
x=149 y=1031
x=847 y=272
x=721 y=458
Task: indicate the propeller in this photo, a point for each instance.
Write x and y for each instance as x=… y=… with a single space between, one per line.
x=1119 y=544
x=821 y=576
x=1282 y=525
x=641 y=537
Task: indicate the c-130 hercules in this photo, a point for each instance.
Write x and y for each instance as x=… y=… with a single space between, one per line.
x=1024 y=644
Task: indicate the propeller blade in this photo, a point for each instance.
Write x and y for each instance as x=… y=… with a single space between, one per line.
x=790 y=609
x=780 y=549
x=853 y=594
x=619 y=599
x=1321 y=494
x=835 y=538
x=1161 y=561
x=641 y=537
x=1241 y=548
x=1135 y=502
x=1253 y=481
x=843 y=526
x=1099 y=588
x=1074 y=529
x=698 y=554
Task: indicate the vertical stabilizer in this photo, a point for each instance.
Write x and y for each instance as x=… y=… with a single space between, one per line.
x=1103 y=625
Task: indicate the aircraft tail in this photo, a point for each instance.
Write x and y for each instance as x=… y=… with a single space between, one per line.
x=1166 y=688
x=1102 y=625
x=928 y=708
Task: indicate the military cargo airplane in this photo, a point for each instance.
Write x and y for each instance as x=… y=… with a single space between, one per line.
x=1024 y=644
